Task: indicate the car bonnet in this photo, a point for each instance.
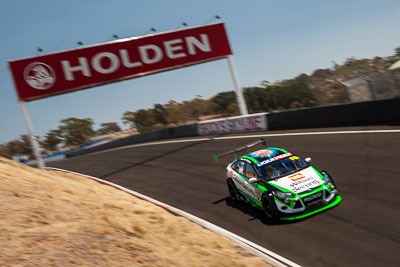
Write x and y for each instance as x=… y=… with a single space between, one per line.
x=299 y=182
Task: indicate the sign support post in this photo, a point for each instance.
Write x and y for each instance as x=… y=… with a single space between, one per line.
x=34 y=144
x=78 y=69
x=239 y=92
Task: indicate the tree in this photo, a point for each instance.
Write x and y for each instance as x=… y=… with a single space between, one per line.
x=322 y=74
x=175 y=113
x=265 y=83
x=160 y=114
x=397 y=51
x=289 y=94
x=302 y=78
x=223 y=100
x=108 y=127
x=4 y=152
x=233 y=109
x=129 y=118
x=20 y=147
x=51 y=140
x=76 y=131
x=198 y=107
x=144 y=120
x=15 y=148
x=257 y=99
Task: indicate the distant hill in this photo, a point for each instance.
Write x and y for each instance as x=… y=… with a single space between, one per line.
x=370 y=77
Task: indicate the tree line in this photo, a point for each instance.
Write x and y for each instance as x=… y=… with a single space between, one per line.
x=75 y=131
x=71 y=132
x=323 y=86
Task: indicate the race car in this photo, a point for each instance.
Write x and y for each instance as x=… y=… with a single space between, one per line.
x=279 y=182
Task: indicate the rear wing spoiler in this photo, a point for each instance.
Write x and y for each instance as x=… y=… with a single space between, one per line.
x=236 y=150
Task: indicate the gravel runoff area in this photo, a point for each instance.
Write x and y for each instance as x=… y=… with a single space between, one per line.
x=50 y=218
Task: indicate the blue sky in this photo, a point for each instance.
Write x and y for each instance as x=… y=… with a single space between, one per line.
x=271 y=40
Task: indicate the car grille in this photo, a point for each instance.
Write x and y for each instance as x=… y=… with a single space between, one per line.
x=312 y=198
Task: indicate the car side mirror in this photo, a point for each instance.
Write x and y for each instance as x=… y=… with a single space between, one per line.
x=308 y=160
x=253 y=180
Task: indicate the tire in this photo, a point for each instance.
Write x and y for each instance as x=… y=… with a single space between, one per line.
x=233 y=192
x=269 y=208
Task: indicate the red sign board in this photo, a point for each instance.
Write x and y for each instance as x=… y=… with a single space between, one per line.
x=71 y=70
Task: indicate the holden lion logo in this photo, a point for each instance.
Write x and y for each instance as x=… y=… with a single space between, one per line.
x=39 y=75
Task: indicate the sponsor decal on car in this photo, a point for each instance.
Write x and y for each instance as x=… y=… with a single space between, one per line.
x=312 y=197
x=282 y=156
x=296 y=177
x=299 y=182
x=262 y=153
x=246 y=187
x=305 y=184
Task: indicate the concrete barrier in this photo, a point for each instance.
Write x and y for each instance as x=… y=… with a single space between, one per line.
x=171 y=132
x=378 y=112
x=238 y=124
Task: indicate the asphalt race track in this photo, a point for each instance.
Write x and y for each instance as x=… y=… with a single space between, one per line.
x=364 y=230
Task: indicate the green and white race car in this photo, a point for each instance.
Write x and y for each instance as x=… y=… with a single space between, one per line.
x=279 y=182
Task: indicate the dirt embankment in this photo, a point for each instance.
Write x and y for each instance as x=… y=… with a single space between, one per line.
x=49 y=218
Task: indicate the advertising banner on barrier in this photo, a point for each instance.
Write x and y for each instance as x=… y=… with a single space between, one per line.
x=248 y=123
x=71 y=70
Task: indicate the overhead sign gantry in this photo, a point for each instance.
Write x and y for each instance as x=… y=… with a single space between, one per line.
x=62 y=72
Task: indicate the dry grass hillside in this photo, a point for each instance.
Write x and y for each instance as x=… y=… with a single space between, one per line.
x=50 y=218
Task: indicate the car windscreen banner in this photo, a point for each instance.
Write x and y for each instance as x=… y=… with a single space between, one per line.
x=62 y=72
x=239 y=124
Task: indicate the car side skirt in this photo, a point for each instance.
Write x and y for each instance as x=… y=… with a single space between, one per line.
x=255 y=203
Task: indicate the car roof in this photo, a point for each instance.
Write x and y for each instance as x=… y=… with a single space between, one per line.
x=266 y=153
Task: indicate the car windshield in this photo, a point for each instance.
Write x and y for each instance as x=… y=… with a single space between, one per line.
x=282 y=167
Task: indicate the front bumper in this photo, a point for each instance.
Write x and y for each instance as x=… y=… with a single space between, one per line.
x=312 y=209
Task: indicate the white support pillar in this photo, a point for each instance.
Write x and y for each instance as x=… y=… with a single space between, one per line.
x=239 y=92
x=34 y=143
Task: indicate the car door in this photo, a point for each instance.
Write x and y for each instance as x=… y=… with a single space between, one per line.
x=239 y=177
x=252 y=189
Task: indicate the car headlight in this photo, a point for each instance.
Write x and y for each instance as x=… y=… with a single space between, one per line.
x=328 y=180
x=284 y=196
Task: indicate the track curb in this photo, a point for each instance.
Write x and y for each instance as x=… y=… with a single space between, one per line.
x=265 y=254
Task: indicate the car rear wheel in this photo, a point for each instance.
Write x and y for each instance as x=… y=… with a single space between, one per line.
x=269 y=208
x=233 y=192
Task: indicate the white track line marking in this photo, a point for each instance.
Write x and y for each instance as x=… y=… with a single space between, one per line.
x=169 y=142
x=150 y=144
x=308 y=133
x=244 y=136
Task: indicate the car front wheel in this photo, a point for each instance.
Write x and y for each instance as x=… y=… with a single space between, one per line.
x=269 y=208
